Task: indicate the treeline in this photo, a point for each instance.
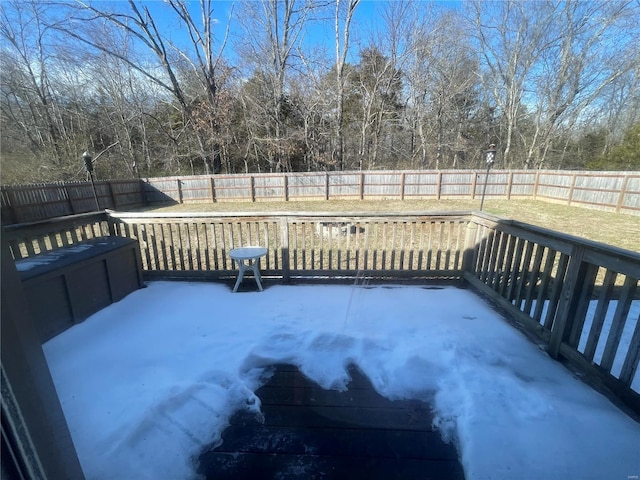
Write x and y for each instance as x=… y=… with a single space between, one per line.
x=177 y=87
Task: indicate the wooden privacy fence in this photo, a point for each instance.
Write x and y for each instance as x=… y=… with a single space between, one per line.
x=580 y=298
x=30 y=203
x=614 y=191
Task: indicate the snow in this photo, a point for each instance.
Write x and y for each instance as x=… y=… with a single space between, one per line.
x=49 y=257
x=148 y=382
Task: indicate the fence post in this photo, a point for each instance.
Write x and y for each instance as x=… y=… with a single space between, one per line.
x=402 y=180
x=474 y=183
x=113 y=195
x=623 y=191
x=285 y=186
x=212 y=189
x=326 y=186
x=571 y=188
x=144 y=197
x=13 y=202
x=566 y=306
x=179 y=182
x=66 y=191
x=509 y=185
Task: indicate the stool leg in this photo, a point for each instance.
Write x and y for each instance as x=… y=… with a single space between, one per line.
x=256 y=274
x=241 y=268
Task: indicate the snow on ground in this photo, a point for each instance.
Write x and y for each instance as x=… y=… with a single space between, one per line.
x=149 y=381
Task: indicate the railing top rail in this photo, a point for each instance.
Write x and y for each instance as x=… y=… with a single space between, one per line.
x=289 y=214
x=552 y=235
x=102 y=214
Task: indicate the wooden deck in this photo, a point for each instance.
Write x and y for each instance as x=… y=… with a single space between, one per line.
x=312 y=433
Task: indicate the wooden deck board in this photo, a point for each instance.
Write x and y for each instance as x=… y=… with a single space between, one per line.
x=312 y=433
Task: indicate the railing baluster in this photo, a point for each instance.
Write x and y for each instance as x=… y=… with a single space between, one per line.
x=564 y=288
x=516 y=270
x=284 y=239
x=520 y=294
x=617 y=325
x=582 y=303
x=630 y=365
x=534 y=274
x=145 y=246
x=542 y=297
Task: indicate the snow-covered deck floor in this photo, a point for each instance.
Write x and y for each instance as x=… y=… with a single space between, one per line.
x=148 y=382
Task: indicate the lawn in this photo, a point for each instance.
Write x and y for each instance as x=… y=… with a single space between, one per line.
x=621 y=230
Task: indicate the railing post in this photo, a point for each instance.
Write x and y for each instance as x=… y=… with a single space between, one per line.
x=284 y=248
x=568 y=301
x=111 y=224
x=470 y=241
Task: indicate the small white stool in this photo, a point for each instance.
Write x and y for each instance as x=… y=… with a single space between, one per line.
x=248 y=258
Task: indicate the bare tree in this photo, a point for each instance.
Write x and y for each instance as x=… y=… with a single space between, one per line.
x=342 y=30
x=587 y=52
x=511 y=36
x=28 y=87
x=273 y=31
x=143 y=31
x=442 y=79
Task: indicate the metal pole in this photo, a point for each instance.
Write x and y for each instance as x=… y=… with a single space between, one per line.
x=95 y=195
x=88 y=164
x=491 y=157
x=484 y=188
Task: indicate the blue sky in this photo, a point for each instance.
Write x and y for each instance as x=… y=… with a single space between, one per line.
x=365 y=17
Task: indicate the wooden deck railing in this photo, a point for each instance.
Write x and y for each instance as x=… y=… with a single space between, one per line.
x=580 y=298
x=29 y=239
x=407 y=245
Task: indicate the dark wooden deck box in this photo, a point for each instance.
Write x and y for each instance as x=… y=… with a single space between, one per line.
x=67 y=285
